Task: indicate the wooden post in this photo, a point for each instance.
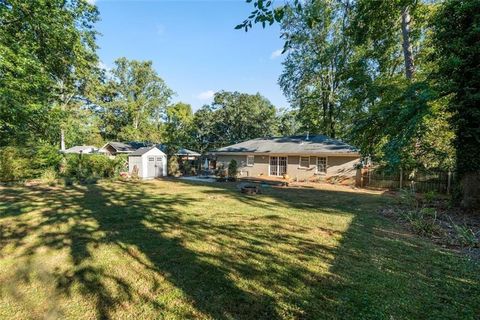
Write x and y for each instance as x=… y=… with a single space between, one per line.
x=449 y=181
x=401 y=178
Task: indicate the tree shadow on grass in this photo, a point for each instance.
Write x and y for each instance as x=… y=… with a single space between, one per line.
x=379 y=269
x=248 y=266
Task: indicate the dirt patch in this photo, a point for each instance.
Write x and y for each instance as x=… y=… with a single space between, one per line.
x=448 y=227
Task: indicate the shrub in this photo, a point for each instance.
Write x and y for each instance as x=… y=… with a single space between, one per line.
x=173 y=167
x=93 y=167
x=13 y=165
x=408 y=198
x=221 y=173
x=187 y=168
x=232 y=170
x=45 y=157
x=465 y=236
x=423 y=221
x=430 y=197
x=49 y=176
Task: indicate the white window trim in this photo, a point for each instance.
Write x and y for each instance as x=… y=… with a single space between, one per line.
x=326 y=165
x=253 y=161
x=269 y=159
x=300 y=162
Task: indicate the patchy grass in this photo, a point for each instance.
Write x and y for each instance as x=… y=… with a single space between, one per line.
x=183 y=250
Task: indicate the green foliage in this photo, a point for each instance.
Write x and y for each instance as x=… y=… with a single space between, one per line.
x=173 y=166
x=232 y=170
x=349 y=73
x=49 y=176
x=91 y=167
x=287 y=123
x=233 y=117
x=457 y=48
x=46 y=47
x=465 y=236
x=178 y=126
x=132 y=102
x=13 y=165
x=423 y=220
x=45 y=156
x=317 y=44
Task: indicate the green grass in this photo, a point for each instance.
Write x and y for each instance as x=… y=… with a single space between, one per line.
x=177 y=250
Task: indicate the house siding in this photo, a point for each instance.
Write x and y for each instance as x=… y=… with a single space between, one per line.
x=342 y=167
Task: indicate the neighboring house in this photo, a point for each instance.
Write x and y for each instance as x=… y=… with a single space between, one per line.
x=185 y=154
x=81 y=149
x=113 y=148
x=299 y=157
x=150 y=162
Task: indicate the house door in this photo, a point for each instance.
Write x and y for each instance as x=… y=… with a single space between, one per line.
x=278 y=166
x=158 y=166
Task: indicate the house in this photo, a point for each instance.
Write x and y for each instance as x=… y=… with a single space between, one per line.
x=149 y=162
x=185 y=154
x=81 y=150
x=113 y=148
x=299 y=157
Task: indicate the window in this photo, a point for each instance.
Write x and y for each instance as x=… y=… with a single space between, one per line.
x=151 y=159
x=250 y=161
x=304 y=162
x=322 y=165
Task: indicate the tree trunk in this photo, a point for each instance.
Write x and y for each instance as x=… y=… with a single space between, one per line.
x=62 y=139
x=407 y=46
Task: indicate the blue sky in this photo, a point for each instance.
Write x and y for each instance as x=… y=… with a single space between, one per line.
x=194 y=46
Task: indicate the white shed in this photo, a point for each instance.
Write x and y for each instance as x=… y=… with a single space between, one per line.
x=150 y=161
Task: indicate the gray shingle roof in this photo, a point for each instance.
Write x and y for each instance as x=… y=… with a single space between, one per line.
x=127 y=147
x=290 y=145
x=82 y=149
x=141 y=151
x=186 y=152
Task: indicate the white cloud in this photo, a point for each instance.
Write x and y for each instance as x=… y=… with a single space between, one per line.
x=275 y=54
x=92 y=2
x=206 y=95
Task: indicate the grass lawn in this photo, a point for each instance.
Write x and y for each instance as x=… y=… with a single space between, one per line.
x=184 y=250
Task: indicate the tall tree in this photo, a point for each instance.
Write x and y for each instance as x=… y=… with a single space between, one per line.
x=45 y=48
x=457 y=44
x=178 y=126
x=315 y=67
x=133 y=101
x=233 y=117
x=357 y=69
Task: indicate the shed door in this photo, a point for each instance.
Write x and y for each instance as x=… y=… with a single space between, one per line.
x=158 y=166
x=151 y=167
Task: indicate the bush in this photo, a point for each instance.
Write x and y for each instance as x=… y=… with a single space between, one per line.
x=221 y=173
x=173 y=167
x=423 y=221
x=49 y=177
x=232 y=170
x=465 y=236
x=187 y=168
x=89 y=168
x=13 y=165
x=45 y=157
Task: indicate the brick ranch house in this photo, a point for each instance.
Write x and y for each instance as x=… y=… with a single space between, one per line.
x=299 y=157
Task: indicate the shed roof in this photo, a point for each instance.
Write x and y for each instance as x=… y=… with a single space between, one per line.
x=126 y=147
x=301 y=144
x=141 y=151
